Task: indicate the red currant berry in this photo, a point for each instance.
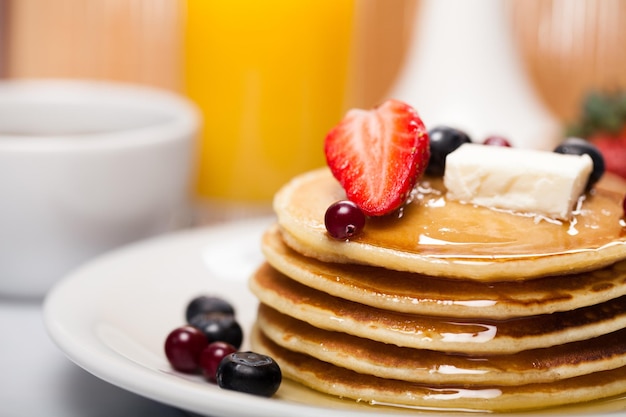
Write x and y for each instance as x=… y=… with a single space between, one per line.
x=211 y=357
x=497 y=141
x=344 y=220
x=183 y=347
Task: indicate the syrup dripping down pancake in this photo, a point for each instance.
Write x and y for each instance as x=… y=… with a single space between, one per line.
x=414 y=293
x=454 y=240
x=425 y=366
x=342 y=382
x=443 y=333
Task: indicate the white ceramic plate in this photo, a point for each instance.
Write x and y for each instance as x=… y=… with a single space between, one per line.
x=111 y=317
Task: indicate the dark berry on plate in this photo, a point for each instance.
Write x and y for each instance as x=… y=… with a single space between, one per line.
x=578 y=146
x=183 y=347
x=344 y=220
x=624 y=206
x=249 y=372
x=497 y=141
x=443 y=141
x=208 y=304
x=222 y=327
x=211 y=357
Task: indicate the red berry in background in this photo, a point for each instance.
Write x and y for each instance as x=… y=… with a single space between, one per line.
x=602 y=121
x=211 y=357
x=613 y=150
x=497 y=141
x=183 y=347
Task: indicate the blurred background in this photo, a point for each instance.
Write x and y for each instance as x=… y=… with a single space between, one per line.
x=272 y=77
x=556 y=52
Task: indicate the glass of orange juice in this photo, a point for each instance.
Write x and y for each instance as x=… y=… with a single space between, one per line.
x=270 y=80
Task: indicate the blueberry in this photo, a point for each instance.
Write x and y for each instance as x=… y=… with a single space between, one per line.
x=578 y=146
x=443 y=140
x=219 y=327
x=207 y=304
x=249 y=372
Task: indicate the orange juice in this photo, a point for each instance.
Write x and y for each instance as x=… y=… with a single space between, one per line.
x=270 y=79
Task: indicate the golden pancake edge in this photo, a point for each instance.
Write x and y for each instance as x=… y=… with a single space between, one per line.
x=438 y=237
x=426 y=366
x=415 y=293
x=445 y=305
x=344 y=383
x=441 y=333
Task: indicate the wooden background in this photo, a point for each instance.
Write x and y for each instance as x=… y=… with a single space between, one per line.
x=568 y=46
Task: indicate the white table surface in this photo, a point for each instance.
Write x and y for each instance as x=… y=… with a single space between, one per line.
x=37 y=379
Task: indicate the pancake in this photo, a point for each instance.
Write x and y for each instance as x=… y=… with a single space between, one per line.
x=414 y=293
x=455 y=240
x=418 y=365
x=342 y=382
x=446 y=305
x=462 y=335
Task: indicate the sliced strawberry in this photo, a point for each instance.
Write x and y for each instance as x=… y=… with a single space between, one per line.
x=378 y=155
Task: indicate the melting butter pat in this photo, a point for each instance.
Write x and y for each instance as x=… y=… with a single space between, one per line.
x=521 y=180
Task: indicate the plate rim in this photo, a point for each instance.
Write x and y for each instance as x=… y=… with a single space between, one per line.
x=159 y=386
x=136 y=378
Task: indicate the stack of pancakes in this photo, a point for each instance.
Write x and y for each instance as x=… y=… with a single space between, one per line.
x=445 y=305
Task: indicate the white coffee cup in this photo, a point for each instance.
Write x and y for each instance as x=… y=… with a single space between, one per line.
x=86 y=167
